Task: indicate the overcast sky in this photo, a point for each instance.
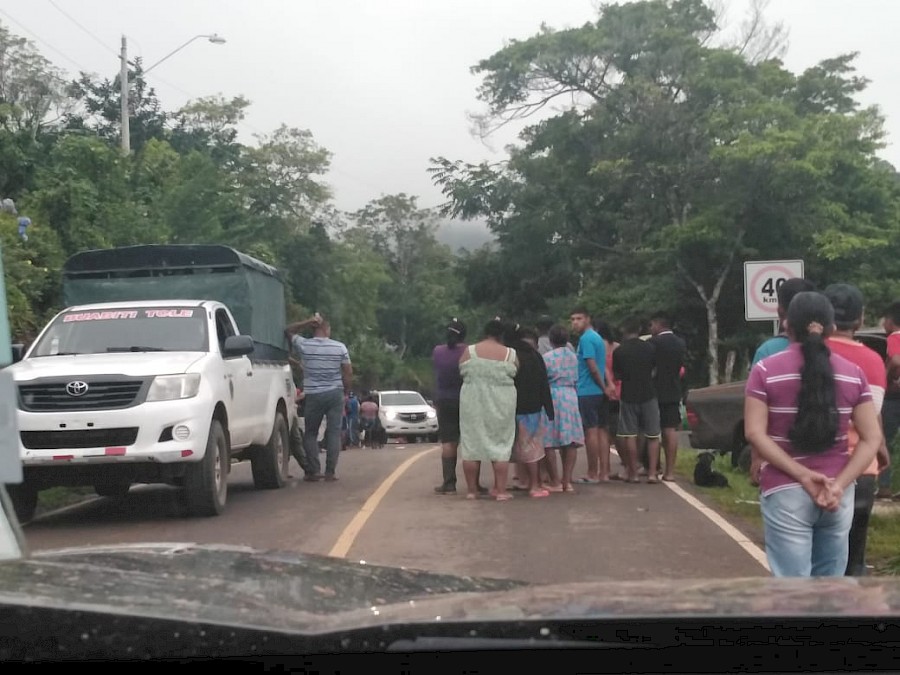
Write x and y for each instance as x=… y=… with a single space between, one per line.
x=385 y=84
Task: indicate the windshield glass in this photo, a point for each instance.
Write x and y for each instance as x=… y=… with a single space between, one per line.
x=402 y=398
x=164 y=329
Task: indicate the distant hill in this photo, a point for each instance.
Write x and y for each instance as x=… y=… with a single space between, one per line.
x=465 y=234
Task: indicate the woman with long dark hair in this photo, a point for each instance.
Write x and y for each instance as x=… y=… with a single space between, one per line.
x=534 y=404
x=798 y=407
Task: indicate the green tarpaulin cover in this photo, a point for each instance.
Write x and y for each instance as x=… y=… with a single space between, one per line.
x=252 y=290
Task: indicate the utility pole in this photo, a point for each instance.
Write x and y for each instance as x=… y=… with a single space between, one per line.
x=123 y=82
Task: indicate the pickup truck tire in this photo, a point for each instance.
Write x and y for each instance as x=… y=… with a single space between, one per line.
x=206 y=481
x=24 y=498
x=270 y=463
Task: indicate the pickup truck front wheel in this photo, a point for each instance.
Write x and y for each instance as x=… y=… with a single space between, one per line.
x=206 y=481
x=270 y=463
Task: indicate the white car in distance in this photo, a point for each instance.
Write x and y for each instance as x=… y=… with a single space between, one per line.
x=407 y=414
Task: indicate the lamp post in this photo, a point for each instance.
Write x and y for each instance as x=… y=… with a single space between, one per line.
x=123 y=81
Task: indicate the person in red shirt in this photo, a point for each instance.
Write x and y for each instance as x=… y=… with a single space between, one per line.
x=848 y=306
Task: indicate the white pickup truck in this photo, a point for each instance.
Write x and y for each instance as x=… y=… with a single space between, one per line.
x=151 y=391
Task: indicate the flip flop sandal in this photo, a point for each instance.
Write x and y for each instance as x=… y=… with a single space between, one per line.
x=568 y=488
x=503 y=498
x=668 y=480
x=539 y=494
x=653 y=481
x=553 y=489
x=588 y=481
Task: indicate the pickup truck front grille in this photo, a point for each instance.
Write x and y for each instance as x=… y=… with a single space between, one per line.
x=102 y=394
x=411 y=417
x=78 y=438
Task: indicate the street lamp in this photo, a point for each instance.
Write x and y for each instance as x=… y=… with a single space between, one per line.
x=123 y=78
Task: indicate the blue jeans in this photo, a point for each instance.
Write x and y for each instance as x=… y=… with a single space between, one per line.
x=353 y=429
x=330 y=406
x=803 y=540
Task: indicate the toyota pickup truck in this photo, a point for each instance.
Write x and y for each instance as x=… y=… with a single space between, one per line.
x=715 y=414
x=157 y=383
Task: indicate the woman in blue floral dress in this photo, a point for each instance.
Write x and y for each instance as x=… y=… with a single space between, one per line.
x=564 y=432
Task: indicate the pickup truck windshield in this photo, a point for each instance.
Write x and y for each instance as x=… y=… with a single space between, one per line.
x=404 y=398
x=139 y=329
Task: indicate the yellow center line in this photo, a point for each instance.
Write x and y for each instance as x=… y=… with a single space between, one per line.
x=348 y=536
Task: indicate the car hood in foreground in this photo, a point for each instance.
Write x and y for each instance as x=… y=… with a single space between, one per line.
x=300 y=593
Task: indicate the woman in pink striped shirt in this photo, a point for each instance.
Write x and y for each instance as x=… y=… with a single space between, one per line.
x=797 y=410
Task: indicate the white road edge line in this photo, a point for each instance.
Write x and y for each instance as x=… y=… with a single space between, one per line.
x=750 y=547
x=739 y=537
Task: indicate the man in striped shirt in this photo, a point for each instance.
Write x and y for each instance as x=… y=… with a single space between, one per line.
x=327 y=379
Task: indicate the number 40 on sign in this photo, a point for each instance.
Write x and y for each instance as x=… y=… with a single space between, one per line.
x=762 y=278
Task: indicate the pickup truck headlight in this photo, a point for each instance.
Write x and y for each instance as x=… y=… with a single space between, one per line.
x=431 y=414
x=174 y=387
x=390 y=415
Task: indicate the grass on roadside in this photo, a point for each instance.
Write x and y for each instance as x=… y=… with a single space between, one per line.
x=59 y=497
x=739 y=499
x=882 y=549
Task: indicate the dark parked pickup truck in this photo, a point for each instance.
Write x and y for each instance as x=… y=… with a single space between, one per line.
x=716 y=414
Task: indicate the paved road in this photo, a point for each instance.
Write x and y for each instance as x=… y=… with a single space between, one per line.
x=377 y=514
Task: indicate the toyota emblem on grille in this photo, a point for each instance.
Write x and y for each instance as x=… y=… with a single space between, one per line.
x=77 y=388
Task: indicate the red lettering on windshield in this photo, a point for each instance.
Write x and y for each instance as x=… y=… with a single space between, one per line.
x=99 y=316
x=168 y=313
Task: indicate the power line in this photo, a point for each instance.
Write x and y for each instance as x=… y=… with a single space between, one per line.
x=152 y=76
x=44 y=42
x=88 y=32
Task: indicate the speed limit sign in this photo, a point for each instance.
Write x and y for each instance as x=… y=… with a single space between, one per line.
x=761 y=282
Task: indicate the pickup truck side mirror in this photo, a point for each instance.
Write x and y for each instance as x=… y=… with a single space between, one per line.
x=238 y=345
x=18 y=352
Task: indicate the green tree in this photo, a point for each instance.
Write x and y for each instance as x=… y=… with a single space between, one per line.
x=675 y=161
x=424 y=289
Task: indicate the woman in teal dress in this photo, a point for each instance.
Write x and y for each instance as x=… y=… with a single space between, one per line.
x=487 y=409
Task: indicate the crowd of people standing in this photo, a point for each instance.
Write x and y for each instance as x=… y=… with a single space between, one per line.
x=530 y=398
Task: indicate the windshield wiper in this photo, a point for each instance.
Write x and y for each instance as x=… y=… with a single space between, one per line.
x=136 y=348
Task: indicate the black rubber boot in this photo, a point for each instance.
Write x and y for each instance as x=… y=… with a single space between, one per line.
x=449 y=485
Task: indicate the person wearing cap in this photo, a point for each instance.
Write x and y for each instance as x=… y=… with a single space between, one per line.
x=786 y=292
x=847 y=302
x=448 y=383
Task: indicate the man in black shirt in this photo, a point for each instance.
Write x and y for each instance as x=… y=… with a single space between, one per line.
x=634 y=365
x=670 y=352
